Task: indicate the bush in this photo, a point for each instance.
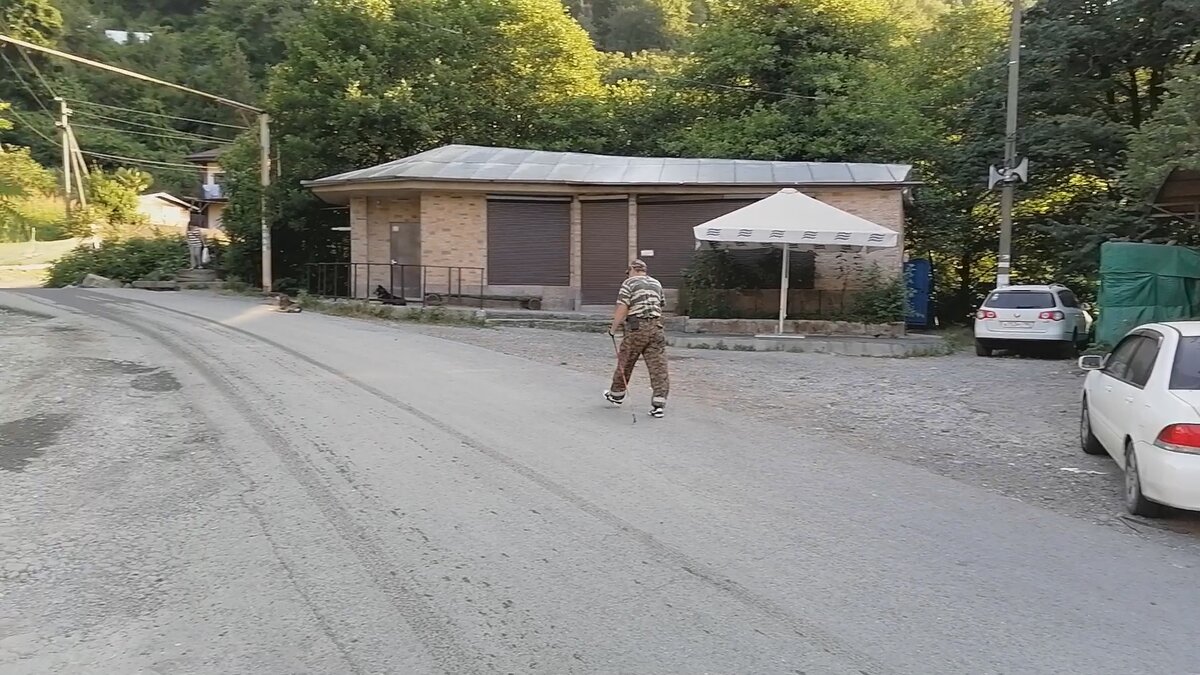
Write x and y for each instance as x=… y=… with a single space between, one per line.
x=126 y=260
x=879 y=298
x=716 y=273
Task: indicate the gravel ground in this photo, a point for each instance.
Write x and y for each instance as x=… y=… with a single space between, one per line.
x=1006 y=424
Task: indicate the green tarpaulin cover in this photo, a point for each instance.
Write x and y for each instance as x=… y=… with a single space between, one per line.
x=1144 y=283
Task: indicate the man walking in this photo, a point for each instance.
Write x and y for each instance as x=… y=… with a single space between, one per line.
x=195 y=244
x=639 y=310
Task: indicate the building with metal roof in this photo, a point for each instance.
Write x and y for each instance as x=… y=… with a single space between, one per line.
x=508 y=165
x=562 y=226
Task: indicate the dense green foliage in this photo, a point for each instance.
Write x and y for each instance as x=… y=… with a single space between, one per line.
x=126 y=260
x=1110 y=90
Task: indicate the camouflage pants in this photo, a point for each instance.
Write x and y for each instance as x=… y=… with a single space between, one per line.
x=648 y=341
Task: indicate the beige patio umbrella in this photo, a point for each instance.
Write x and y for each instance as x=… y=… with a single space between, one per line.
x=793 y=221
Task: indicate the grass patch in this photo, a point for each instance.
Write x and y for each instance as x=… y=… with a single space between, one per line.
x=35 y=253
x=955 y=339
x=22 y=278
x=371 y=310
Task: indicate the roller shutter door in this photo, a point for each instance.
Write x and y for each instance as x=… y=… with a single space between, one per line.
x=665 y=227
x=528 y=243
x=604 y=249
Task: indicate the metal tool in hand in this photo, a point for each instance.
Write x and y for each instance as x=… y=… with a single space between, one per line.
x=621 y=368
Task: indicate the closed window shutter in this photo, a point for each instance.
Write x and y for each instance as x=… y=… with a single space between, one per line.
x=529 y=243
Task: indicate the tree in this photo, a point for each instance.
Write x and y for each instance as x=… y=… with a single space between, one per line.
x=36 y=21
x=22 y=180
x=797 y=80
x=367 y=81
x=1170 y=140
x=112 y=209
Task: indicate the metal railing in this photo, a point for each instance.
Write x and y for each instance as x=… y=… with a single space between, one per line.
x=396 y=284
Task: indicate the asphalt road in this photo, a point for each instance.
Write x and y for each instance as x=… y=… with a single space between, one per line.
x=195 y=484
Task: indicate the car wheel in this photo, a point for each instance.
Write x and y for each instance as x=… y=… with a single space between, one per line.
x=981 y=349
x=1070 y=349
x=1087 y=440
x=1136 y=502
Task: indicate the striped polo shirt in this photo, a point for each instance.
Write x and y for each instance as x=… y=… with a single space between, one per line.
x=643 y=295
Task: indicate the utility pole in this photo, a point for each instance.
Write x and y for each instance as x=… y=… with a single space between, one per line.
x=64 y=132
x=264 y=179
x=264 y=136
x=81 y=169
x=1004 y=261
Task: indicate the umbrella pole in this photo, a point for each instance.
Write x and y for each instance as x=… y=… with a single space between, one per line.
x=783 y=290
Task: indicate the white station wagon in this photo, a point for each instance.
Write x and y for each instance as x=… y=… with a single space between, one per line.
x=1017 y=316
x=1141 y=405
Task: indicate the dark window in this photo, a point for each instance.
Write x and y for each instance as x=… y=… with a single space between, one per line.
x=1185 y=374
x=1120 y=359
x=1020 y=300
x=1143 y=362
x=1068 y=299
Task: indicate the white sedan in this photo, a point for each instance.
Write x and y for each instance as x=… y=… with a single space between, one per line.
x=1141 y=405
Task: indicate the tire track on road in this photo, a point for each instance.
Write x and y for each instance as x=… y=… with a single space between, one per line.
x=802 y=628
x=436 y=632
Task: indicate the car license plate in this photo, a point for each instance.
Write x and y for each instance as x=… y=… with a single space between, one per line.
x=1016 y=324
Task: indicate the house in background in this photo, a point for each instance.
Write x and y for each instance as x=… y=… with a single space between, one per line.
x=210 y=199
x=563 y=226
x=162 y=209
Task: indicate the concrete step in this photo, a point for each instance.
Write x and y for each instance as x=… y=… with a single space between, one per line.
x=156 y=285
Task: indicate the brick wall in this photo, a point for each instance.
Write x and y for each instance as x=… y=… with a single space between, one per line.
x=883 y=207
x=454 y=234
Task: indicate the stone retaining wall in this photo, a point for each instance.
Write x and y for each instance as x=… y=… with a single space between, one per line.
x=796 y=326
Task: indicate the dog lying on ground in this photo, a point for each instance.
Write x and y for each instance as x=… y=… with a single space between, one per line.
x=387 y=298
x=286 y=304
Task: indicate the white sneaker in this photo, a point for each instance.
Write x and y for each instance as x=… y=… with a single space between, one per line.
x=616 y=399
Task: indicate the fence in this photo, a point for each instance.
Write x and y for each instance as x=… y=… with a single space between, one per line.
x=419 y=284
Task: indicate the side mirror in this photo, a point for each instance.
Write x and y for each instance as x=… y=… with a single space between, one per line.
x=1092 y=362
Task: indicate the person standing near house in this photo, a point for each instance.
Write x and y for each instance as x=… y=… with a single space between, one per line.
x=639 y=311
x=195 y=244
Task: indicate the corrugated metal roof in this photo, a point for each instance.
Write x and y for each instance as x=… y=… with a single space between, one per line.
x=475 y=163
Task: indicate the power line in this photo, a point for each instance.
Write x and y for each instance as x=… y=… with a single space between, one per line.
x=168 y=130
x=37 y=71
x=154 y=114
x=146 y=163
x=32 y=128
x=28 y=88
x=190 y=167
x=186 y=139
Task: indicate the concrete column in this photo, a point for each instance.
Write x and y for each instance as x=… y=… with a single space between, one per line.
x=576 y=242
x=633 y=232
x=359 y=242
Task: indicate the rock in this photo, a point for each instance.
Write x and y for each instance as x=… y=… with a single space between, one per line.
x=97 y=281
